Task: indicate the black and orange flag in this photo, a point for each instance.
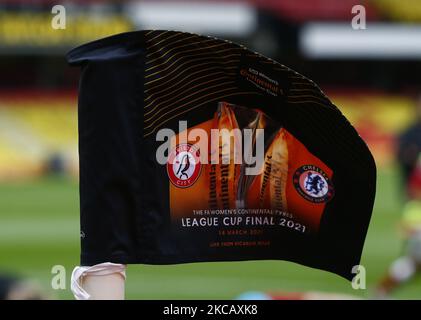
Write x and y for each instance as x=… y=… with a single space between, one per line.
x=196 y=149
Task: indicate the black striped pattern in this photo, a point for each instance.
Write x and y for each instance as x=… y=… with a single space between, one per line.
x=185 y=71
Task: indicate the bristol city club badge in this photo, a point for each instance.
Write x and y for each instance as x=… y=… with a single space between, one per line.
x=313 y=184
x=183 y=165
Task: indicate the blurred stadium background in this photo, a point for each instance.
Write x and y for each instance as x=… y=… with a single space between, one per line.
x=371 y=74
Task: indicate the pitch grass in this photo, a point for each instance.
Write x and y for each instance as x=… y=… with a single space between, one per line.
x=39 y=228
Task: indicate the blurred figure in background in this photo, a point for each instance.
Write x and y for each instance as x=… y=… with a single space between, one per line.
x=409 y=149
x=409 y=157
x=409 y=264
x=285 y=295
x=16 y=288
